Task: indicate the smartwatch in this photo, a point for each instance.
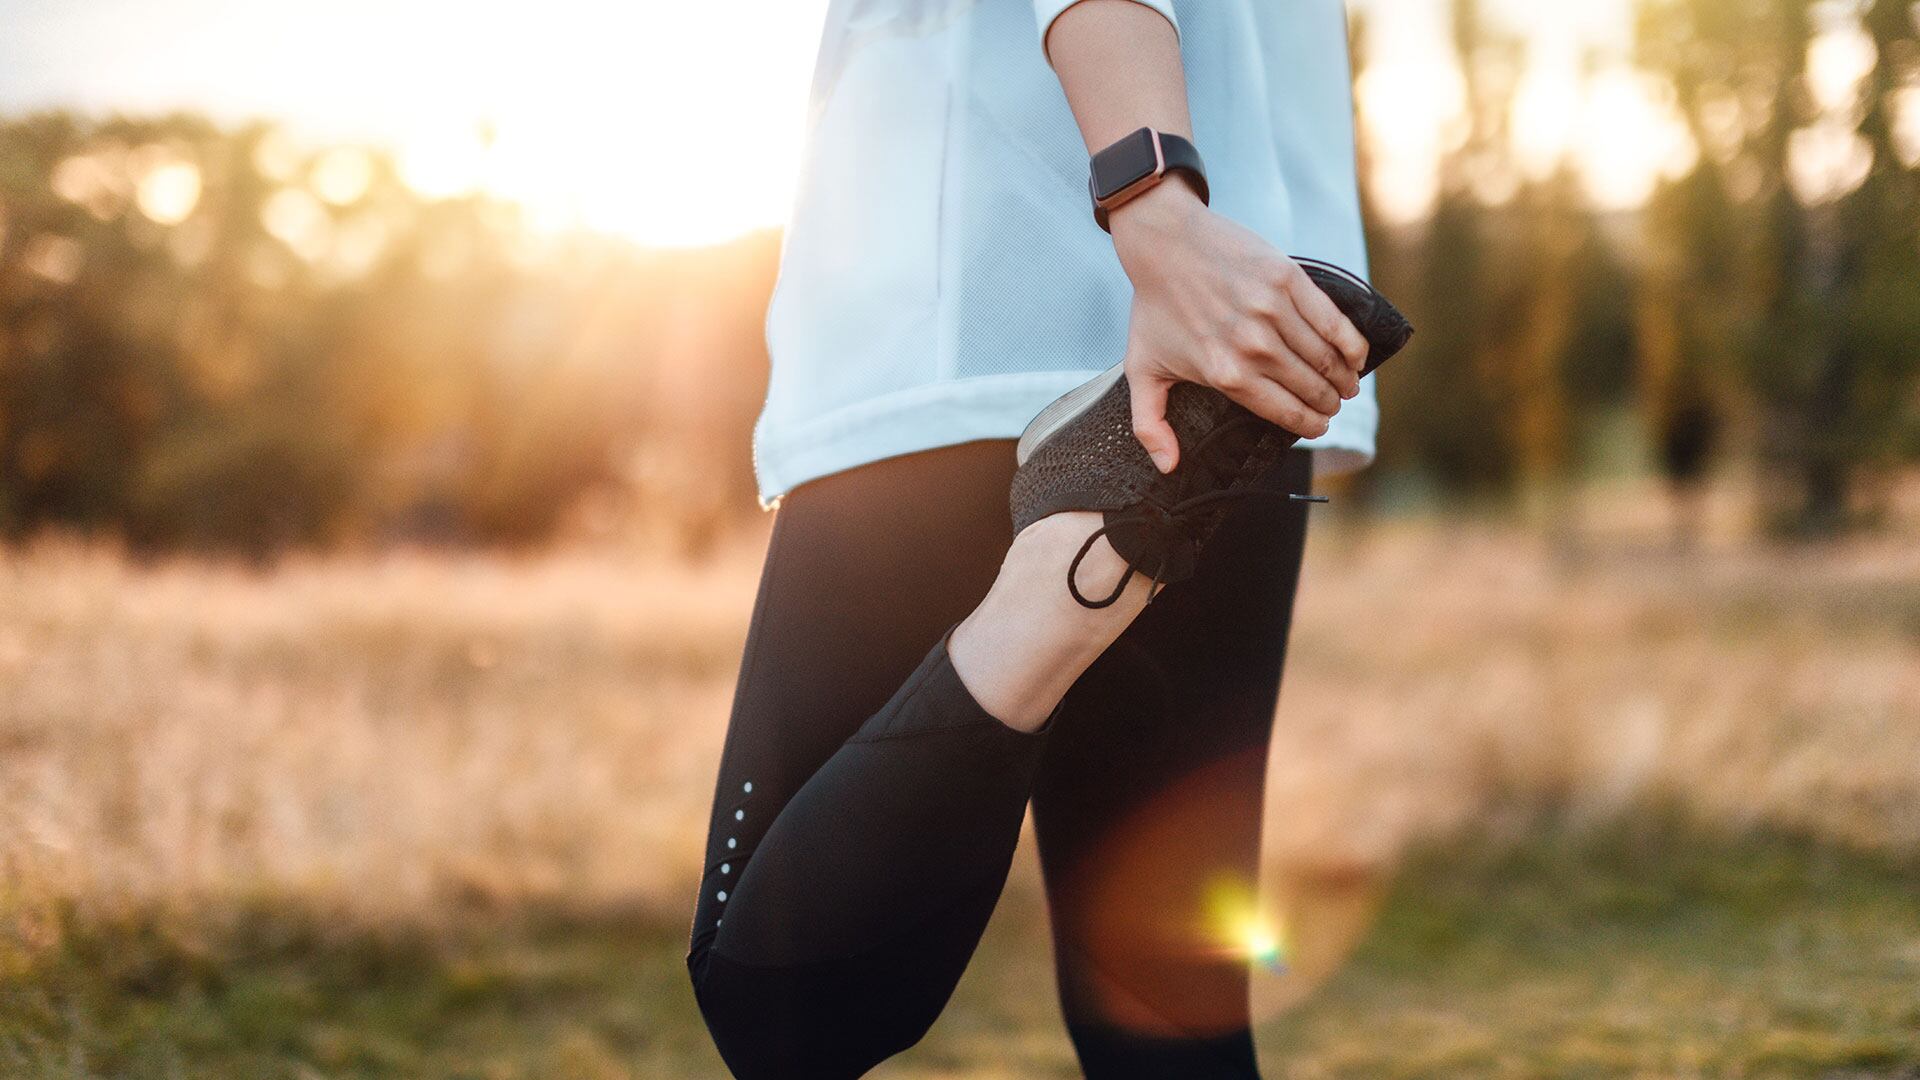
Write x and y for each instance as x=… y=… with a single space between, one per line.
x=1138 y=162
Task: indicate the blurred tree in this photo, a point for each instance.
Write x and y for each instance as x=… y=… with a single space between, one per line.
x=1794 y=250
x=1446 y=414
x=217 y=340
x=1516 y=298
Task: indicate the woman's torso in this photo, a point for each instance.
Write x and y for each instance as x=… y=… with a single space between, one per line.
x=942 y=279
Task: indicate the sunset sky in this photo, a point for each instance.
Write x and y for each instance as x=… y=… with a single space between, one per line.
x=559 y=106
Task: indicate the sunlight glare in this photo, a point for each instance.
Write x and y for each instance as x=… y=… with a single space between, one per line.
x=444 y=163
x=670 y=125
x=1547 y=95
x=342 y=175
x=168 y=192
x=1826 y=161
x=1631 y=137
x=1906 y=125
x=95 y=180
x=1413 y=109
x=1839 y=59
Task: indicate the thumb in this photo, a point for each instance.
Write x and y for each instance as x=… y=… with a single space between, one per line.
x=1149 y=396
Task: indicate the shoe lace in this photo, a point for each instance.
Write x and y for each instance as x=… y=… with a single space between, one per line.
x=1182 y=513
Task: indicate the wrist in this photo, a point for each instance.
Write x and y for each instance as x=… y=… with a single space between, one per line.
x=1138 y=163
x=1144 y=222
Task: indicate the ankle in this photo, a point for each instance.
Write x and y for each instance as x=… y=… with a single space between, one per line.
x=1025 y=645
x=1043 y=557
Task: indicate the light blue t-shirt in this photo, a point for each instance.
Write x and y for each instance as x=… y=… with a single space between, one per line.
x=942 y=278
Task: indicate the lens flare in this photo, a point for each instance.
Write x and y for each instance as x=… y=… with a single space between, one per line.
x=1243 y=928
x=1266 y=946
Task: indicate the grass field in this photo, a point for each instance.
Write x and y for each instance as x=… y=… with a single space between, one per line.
x=1613 y=811
x=1620 y=955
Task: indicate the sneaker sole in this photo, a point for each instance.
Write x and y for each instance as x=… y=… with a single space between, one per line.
x=1062 y=410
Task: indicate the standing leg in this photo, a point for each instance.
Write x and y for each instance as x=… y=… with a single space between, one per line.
x=1148 y=807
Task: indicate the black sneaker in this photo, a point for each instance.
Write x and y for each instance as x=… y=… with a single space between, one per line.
x=1079 y=453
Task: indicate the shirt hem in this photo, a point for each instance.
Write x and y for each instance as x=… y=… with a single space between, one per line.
x=950 y=413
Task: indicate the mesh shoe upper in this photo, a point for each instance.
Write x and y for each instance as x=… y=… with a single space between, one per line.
x=1152 y=519
x=1159 y=522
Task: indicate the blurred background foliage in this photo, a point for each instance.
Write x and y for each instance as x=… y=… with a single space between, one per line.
x=213 y=339
x=1760 y=309
x=217 y=338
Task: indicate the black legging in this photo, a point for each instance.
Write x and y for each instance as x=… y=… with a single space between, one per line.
x=867 y=808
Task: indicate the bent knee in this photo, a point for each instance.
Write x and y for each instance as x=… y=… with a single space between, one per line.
x=827 y=1021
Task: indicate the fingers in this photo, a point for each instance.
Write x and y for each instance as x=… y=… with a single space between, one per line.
x=1325 y=319
x=1263 y=351
x=1148 y=393
x=1273 y=402
x=1327 y=362
x=1255 y=328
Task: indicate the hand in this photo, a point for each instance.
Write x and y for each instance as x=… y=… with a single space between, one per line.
x=1215 y=304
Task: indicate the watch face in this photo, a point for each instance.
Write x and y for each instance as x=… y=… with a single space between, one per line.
x=1125 y=163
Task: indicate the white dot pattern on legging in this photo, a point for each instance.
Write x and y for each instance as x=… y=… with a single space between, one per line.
x=733 y=844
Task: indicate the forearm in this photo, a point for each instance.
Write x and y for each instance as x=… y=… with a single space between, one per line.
x=1213 y=303
x=1119 y=63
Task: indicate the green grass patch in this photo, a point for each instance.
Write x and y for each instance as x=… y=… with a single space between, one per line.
x=273 y=992
x=1653 y=954
x=1623 y=955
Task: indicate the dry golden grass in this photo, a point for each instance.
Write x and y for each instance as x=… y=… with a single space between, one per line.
x=385 y=735
x=391 y=735
x=1442 y=677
